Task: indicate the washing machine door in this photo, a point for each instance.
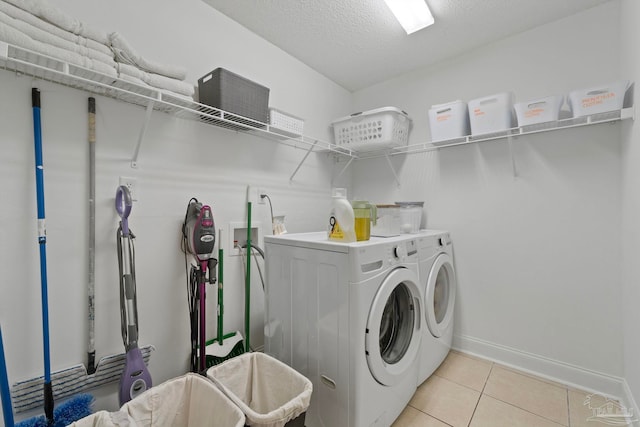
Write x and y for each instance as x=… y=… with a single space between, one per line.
x=440 y=295
x=392 y=339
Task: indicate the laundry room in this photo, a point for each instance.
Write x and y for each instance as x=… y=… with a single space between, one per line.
x=512 y=301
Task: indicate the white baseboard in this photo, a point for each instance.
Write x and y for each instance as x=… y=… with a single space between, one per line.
x=554 y=370
x=630 y=403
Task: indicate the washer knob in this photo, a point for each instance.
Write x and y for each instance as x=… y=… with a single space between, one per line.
x=400 y=252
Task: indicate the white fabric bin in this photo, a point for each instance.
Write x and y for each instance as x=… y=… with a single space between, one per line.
x=270 y=393
x=492 y=113
x=539 y=110
x=187 y=401
x=598 y=99
x=449 y=121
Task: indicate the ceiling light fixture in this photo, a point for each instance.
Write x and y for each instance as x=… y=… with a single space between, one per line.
x=413 y=15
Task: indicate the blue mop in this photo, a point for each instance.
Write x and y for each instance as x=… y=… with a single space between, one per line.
x=79 y=406
x=7 y=410
x=64 y=414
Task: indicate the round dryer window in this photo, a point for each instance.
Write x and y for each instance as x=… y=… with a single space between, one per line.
x=440 y=295
x=392 y=341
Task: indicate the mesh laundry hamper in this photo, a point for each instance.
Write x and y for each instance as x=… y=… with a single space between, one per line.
x=270 y=393
x=187 y=401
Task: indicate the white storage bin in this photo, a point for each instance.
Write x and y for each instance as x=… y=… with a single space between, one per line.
x=491 y=113
x=385 y=127
x=285 y=123
x=598 y=99
x=539 y=110
x=449 y=121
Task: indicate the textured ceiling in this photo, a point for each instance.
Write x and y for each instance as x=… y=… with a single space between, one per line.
x=358 y=43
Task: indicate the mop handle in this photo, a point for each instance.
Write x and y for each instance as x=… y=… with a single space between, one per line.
x=91 y=285
x=247 y=284
x=220 y=289
x=7 y=410
x=42 y=241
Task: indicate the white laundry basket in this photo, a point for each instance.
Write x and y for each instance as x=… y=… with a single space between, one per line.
x=386 y=127
x=270 y=393
x=187 y=401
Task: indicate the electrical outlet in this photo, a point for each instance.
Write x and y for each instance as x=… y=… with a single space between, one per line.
x=132 y=185
x=261 y=191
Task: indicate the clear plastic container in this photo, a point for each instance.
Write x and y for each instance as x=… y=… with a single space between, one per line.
x=410 y=216
x=388 y=221
x=365 y=213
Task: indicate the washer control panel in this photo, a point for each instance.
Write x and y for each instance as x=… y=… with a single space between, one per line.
x=400 y=252
x=403 y=250
x=372 y=259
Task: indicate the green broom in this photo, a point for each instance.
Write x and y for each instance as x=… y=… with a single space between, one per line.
x=224 y=346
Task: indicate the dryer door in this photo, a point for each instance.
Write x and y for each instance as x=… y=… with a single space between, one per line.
x=440 y=295
x=392 y=339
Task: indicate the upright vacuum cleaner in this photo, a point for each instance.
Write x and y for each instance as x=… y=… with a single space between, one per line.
x=199 y=239
x=135 y=377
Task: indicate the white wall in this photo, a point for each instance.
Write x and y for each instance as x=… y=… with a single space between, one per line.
x=537 y=254
x=179 y=159
x=630 y=33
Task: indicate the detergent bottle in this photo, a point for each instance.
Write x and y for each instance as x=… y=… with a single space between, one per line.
x=341 y=219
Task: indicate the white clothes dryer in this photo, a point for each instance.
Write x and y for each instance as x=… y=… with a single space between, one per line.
x=348 y=316
x=438 y=290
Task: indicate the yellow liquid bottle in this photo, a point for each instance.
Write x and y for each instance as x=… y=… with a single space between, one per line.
x=364 y=213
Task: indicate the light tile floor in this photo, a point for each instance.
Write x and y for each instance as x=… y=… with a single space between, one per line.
x=470 y=392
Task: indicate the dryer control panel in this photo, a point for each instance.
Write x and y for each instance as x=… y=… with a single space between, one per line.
x=444 y=240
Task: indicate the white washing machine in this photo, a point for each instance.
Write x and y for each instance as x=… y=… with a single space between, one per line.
x=348 y=317
x=438 y=290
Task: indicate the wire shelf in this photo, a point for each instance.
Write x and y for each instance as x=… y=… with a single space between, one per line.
x=27 y=62
x=608 y=117
x=24 y=61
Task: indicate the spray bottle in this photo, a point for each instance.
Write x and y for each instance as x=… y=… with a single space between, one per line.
x=341 y=220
